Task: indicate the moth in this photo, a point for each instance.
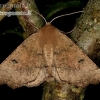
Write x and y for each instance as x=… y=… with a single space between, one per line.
x=46 y=56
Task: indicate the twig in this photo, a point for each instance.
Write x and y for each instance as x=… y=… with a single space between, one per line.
x=6 y=9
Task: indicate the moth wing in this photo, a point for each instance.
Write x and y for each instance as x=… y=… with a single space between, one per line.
x=23 y=66
x=72 y=65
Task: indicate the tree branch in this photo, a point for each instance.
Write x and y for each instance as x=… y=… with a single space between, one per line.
x=30 y=23
x=9 y=4
x=87 y=30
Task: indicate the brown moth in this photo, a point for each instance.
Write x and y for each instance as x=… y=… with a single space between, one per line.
x=46 y=56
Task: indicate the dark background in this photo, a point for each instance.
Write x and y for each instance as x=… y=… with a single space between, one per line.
x=9 y=41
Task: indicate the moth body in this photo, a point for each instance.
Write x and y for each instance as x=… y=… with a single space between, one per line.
x=48 y=40
x=48 y=55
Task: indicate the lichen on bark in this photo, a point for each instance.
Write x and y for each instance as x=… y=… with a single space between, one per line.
x=58 y=91
x=86 y=33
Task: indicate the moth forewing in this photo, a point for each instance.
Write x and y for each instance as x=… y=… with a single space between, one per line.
x=23 y=64
x=45 y=55
x=73 y=66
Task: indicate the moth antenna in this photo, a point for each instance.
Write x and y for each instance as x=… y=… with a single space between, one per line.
x=40 y=15
x=65 y=15
x=70 y=31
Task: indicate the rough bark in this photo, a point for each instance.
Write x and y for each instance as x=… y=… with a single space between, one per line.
x=58 y=91
x=86 y=33
x=30 y=23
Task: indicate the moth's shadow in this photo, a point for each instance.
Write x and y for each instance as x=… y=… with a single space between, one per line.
x=92 y=92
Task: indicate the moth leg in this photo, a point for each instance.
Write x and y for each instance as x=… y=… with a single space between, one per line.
x=55 y=74
x=39 y=79
x=62 y=70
